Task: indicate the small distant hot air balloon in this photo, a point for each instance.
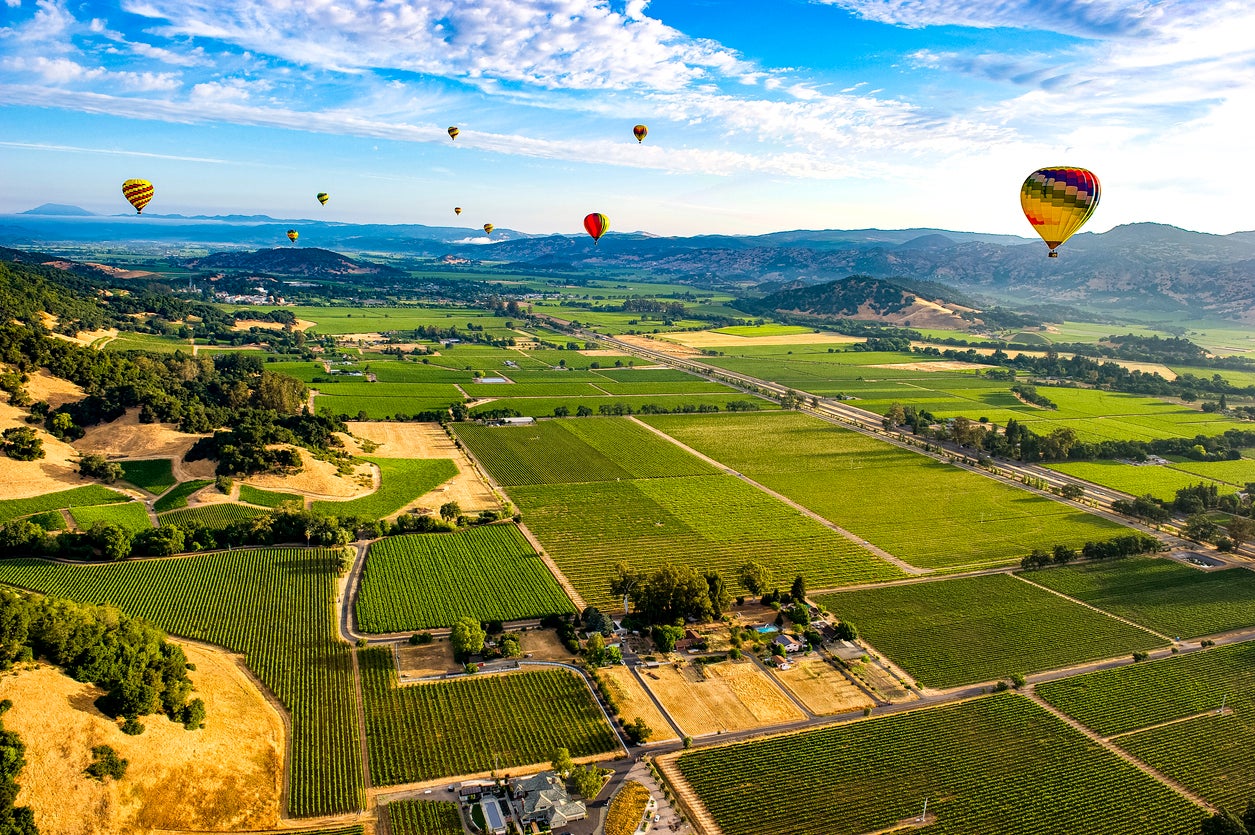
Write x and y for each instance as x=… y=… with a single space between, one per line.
x=596 y=224
x=488 y=227
x=640 y=132
x=138 y=193
x=453 y=132
x=1058 y=201
x=293 y=235
x=323 y=197
x=457 y=210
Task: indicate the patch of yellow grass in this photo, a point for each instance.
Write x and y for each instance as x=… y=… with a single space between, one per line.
x=633 y=701
x=731 y=696
x=821 y=687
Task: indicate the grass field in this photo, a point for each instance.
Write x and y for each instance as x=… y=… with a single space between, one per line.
x=156 y=475
x=1134 y=479
x=87 y=496
x=975 y=629
x=428 y=580
x=214 y=516
x=402 y=480
x=707 y=522
x=268 y=498
x=576 y=450
x=1165 y=595
x=1213 y=754
x=928 y=513
x=177 y=497
x=426 y=731
x=764 y=330
x=130 y=516
x=272 y=605
x=997 y=764
x=423 y=817
x=385 y=408
x=49 y=520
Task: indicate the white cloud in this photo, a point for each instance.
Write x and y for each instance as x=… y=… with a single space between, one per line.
x=13 y=4
x=1084 y=18
x=36 y=146
x=66 y=72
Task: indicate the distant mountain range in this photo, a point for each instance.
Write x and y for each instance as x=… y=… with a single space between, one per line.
x=1138 y=269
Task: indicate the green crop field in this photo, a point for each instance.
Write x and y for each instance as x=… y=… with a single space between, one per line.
x=401 y=481
x=576 y=450
x=991 y=765
x=630 y=404
x=1134 y=479
x=427 y=580
x=49 y=520
x=923 y=511
x=708 y=522
x=426 y=731
x=155 y=475
x=1211 y=753
x=177 y=497
x=764 y=330
x=134 y=341
x=216 y=516
x=423 y=817
x=1237 y=473
x=1162 y=594
x=91 y=494
x=272 y=605
x=268 y=498
x=974 y=629
x=130 y=516
x=387 y=408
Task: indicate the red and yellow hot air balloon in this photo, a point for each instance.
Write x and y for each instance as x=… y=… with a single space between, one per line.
x=488 y=227
x=457 y=210
x=293 y=235
x=1058 y=201
x=323 y=197
x=453 y=132
x=596 y=225
x=138 y=193
x=640 y=132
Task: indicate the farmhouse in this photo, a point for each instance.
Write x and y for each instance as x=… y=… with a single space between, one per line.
x=789 y=643
x=543 y=798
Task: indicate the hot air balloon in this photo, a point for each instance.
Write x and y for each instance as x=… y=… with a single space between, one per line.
x=640 y=132
x=293 y=235
x=488 y=227
x=453 y=133
x=1058 y=201
x=596 y=224
x=457 y=210
x=323 y=197
x=138 y=193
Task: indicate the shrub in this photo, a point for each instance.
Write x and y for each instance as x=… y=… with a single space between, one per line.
x=106 y=763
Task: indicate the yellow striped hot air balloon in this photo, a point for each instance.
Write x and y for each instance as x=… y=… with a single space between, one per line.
x=640 y=132
x=453 y=132
x=457 y=210
x=1058 y=201
x=323 y=197
x=488 y=227
x=293 y=235
x=138 y=193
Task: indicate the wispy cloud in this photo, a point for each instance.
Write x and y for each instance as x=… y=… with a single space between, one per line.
x=37 y=146
x=1084 y=18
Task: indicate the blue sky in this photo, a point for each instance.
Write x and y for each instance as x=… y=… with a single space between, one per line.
x=763 y=114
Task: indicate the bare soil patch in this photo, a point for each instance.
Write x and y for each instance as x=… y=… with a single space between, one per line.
x=633 y=701
x=245 y=324
x=662 y=346
x=601 y=352
x=943 y=365
x=881 y=682
x=710 y=339
x=428 y=660
x=126 y=437
x=118 y=272
x=57 y=470
x=227 y=775
x=53 y=390
x=320 y=478
x=429 y=440
x=821 y=687
x=728 y=696
x=543 y=645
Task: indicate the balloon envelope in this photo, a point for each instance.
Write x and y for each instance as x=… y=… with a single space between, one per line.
x=137 y=193
x=293 y=235
x=488 y=227
x=640 y=132
x=1058 y=201
x=453 y=133
x=596 y=225
x=457 y=210
x=323 y=197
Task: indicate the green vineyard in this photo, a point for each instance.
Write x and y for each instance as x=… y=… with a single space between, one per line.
x=155 y=475
x=177 y=497
x=268 y=498
x=427 y=580
x=130 y=516
x=275 y=607
x=997 y=764
x=467 y=725
x=92 y=494
x=974 y=629
x=214 y=516
x=401 y=481
x=423 y=817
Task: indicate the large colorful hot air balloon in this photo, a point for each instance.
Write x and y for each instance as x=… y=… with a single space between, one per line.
x=453 y=133
x=138 y=193
x=457 y=210
x=640 y=132
x=596 y=224
x=1058 y=201
x=293 y=235
x=323 y=197
x=488 y=227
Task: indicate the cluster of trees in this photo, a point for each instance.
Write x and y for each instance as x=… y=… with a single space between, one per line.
x=140 y=672
x=1197 y=502
x=672 y=593
x=882 y=343
x=21 y=444
x=1227 y=823
x=1114 y=548
x=14 y=820
x=1029 y=394
x=251 y=444
x=645 y=409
